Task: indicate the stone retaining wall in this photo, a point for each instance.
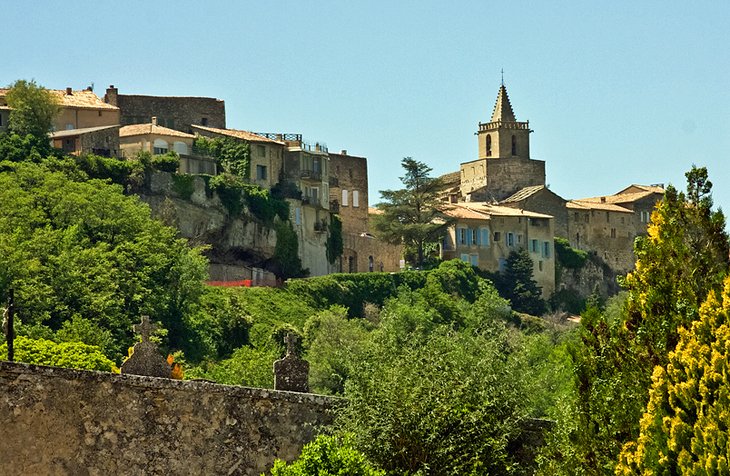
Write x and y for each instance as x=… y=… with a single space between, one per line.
x=61 y=421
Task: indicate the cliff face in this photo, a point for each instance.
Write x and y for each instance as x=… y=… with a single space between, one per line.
x=238 y=244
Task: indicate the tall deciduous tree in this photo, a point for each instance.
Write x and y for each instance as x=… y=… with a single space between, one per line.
x=33 y=109
x=412 y=216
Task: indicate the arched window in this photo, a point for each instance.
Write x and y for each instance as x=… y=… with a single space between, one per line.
x=514 y=145
x=371 y=264
x=159 y=147
x=489 y=145
x=181 y=148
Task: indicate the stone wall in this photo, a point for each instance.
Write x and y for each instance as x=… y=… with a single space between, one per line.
x=67 y=422
x=349 y=175
x=174 y=112
x=497 y=179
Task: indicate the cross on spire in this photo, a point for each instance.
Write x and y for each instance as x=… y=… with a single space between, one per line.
x=144 y=328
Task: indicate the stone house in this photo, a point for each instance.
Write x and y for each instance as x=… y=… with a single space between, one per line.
x=4 y=115
x=156 y=140
x=541 y=199
x=102 y=140
x=608 y=225
x=484 y=236
x=174 y=112
x=266 y=155
x=79 y=110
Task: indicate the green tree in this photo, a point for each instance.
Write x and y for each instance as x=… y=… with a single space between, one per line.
x=517 y=284
x=85 y=249
x=33 y=109
x=683 y=258
x=685 y=428
x=412 y=216
x=447 y=403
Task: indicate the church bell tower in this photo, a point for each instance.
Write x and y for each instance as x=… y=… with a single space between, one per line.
x=503 y=136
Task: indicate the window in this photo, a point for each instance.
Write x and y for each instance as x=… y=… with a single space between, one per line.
x=485 y=237
x=645 y=216
x=180 y=147
x=613 y=232
x=497 y=236
x=261 y=172
x=465 y=257
x=204 y=121
x=315 y=195
x=534 y=246
x=261 y=150
x=160 y=147
x=514 y=145
x=344 y=198
x=474 y=260
x=510 y=239
x=461 y=236
x=519 y=238
x=539 y=265
x=546 y=249
x=474 y=236
x=355 y=198
x=99 y=113
x=371 y=264
x=489 y=145
x=608 y=218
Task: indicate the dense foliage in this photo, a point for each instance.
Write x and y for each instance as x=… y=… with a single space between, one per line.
x=685 y=427
x=82 y=248
x=72 y=355
x=683 y=258
x=33 y=109
x=327 y=455
x=233 y=155
x=411 y=216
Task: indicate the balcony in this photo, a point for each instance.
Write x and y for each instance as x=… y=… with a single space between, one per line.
x=315 y=175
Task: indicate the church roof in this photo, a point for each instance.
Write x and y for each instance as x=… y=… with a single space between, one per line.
x=523 y=193
x=502 y=108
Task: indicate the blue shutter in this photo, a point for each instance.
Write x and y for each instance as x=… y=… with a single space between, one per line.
x=479 y=241
x=485 y=237
x=468 y=237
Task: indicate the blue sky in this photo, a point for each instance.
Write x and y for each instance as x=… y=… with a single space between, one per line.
x=617 y=92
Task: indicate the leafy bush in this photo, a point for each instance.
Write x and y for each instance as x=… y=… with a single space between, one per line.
x=74 y=355
x=119 y=171
x=230 y=191
x=169 y=162
x=286 y=252
x=232 y=154
x=327 y=456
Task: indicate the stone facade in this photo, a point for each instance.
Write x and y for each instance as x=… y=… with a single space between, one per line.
x=485 y=235
x=178 y=113
x=541 y=199
x=496 y=179
x=102 y=141
x=60 y=421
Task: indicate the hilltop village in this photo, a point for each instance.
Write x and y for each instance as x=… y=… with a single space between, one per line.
x=499 y=201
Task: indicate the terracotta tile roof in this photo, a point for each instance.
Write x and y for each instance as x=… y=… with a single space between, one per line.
x=523 y=194
x=144 y=129
x=237 y=134
x=374 y=211
x=619 y=198
x=83 y=99
x=589 y=205
x=637 y=188
x=484 y=211
x=78 y=132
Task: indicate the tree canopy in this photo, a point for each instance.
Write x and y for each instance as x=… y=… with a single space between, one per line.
x=33 y=109
x=412 y=216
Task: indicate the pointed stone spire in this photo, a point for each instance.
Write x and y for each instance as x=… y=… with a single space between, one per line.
x=502 y=108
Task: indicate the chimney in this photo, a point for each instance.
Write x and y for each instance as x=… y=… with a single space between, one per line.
x=343 y=152
x=154 y=120
x=603 y=199
x=111 y=95
x=69 y=91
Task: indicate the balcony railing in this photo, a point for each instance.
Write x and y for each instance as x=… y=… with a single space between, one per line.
x=311 y=174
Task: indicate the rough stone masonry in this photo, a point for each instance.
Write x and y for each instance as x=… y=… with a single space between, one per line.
x=69 y=422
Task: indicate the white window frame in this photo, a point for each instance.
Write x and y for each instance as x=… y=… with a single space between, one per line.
x=355 y=198
x=344 y=198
